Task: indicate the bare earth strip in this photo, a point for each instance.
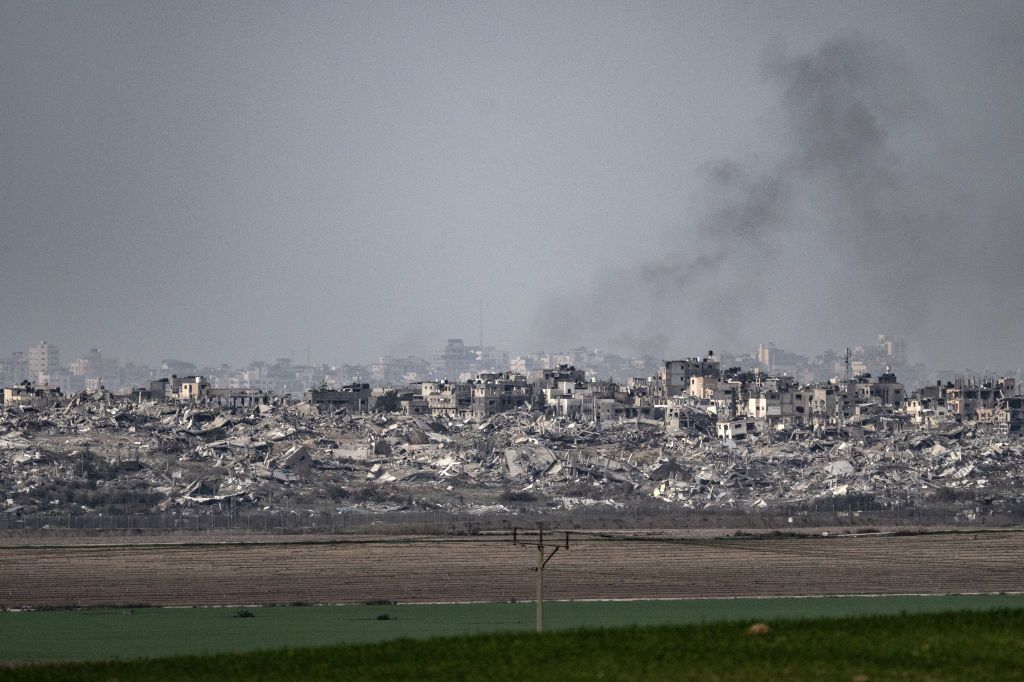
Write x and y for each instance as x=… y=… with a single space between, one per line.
x=478 y=569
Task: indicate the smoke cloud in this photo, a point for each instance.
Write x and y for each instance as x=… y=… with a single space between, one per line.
x=844 y=233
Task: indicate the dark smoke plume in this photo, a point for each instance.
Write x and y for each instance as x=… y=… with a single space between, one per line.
x=844 y=235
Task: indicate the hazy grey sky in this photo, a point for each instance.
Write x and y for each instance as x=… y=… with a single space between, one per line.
x=218 y=181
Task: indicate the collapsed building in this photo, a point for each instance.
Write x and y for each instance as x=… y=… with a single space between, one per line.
x=696 y=437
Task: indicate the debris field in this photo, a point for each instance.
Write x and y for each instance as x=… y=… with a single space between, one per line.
x=98 y=455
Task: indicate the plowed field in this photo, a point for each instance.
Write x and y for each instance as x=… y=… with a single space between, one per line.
x=493 y=569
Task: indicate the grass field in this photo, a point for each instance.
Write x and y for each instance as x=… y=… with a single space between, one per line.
x=92 y=634
x=951 y=646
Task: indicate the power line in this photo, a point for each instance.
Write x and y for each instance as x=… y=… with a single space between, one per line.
x=541 y=563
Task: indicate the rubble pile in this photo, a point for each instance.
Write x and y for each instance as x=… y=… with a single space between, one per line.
x=97 y=455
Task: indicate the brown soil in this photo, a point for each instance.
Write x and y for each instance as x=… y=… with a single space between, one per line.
x=431 y=569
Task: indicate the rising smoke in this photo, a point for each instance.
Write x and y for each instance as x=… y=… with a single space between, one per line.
x=843 y=235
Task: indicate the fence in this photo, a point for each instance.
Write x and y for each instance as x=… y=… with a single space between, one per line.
x=861 y=513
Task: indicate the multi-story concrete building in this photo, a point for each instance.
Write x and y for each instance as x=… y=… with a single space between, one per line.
x=43 y=359
x=29 y=394
x=192 y=388
x=972 y=400
x=498 y=392
x=926 y=412
x=352 y=397
x=736 y=429
x=14 y=369
x=676 y=374
x=1009 y=414
x=454 y=360
x=448 y=398
x=888 y=391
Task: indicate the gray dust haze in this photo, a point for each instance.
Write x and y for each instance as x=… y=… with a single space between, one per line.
x=226 y=181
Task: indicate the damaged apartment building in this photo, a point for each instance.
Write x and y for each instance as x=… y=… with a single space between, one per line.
x=691 y=394
x=696 y=434
x=741 y=404
x=485 y=395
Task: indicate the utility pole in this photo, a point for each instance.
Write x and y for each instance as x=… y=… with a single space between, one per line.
x=541 y=563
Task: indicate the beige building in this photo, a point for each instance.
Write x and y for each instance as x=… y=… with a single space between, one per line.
x=31 y=395
x=447 y=398
x=974 y=401
x=43 y=359
x=192 y=388
x=498 y=392
x=927 y=412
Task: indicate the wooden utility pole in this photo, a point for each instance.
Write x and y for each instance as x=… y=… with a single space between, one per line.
x=541 y=563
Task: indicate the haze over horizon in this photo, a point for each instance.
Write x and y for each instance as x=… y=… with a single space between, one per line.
x=225 y=181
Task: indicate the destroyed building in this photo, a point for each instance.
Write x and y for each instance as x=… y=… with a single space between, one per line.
x=496 y=392
x=29 y=395
x=1009 y=414
x=351 y=397
x=555 y=439
x=676 y=374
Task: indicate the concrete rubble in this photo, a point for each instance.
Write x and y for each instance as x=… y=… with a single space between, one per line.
x=100 y=455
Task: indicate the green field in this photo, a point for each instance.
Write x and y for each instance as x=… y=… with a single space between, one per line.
x=950 y=646
x=92 y=634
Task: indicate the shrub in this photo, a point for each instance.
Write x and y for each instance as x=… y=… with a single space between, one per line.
x=517 y=496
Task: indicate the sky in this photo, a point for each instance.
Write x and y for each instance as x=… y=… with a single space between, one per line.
x=226 y=181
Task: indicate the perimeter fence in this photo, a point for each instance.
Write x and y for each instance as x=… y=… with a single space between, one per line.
x=855 y=513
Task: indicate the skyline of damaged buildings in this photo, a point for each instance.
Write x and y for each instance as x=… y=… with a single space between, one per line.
x=699 y=432
x=41 y=364
x=733 y=397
